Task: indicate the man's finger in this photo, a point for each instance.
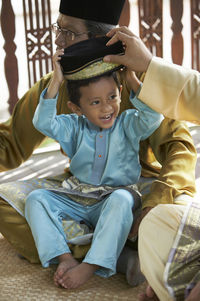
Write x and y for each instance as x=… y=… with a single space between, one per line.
x=123 y=29
x=111 y=32
x=117 y=59
x=113 y=40
x=119 y=36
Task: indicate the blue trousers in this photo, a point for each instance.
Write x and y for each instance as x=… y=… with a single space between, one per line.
x=112 y=219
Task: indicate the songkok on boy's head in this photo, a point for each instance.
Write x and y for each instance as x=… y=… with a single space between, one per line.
x=103 y=11
x=84 y=60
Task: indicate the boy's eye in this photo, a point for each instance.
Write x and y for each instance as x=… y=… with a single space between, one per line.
x=113 y=96
x=95 y=102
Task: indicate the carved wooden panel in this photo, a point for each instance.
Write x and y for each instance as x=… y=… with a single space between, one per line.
x=10 y=63
x=150 y=23
x=176 y=11
x=195 y=33
x=37 y=20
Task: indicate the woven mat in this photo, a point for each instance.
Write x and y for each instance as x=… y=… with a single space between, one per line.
x=22 y=281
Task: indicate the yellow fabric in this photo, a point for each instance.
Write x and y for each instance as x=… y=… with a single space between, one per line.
x=14 y=227
x=171 y=143
x=182 y=269
x=174 y=149
x=172 y=90
x=157 y=233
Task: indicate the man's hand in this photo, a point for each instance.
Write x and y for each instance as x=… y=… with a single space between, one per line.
x=136 y=223
x=137 y=57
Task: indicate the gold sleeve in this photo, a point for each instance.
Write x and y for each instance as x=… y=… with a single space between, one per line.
x=173 y=148
x=169 y=155
x=18 y=137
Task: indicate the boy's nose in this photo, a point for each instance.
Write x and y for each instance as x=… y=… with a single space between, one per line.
x=106 y=107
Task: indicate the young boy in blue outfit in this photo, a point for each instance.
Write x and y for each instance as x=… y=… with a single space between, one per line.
x=103 y=149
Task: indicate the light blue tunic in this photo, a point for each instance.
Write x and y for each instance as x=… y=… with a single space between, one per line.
x=108 y=157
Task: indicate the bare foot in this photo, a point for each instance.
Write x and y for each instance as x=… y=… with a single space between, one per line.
x=148 y=295
x=78 y=275
x=66 y=262
x=194 y=294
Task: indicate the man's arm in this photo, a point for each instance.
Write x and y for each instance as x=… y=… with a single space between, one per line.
x=177 y=89
x=169 y=155
x=174 y=149
x=18 y=137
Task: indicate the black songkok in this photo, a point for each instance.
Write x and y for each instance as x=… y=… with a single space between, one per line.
x=85 y=59
x=103 y=11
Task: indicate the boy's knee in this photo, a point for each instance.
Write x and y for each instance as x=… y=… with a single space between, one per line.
x=36 y=196
x=122 y=198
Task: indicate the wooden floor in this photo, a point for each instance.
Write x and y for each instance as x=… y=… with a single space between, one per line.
x=45 y=162
x=22 y=281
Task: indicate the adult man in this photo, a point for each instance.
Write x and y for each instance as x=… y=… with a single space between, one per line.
x=172 y=144
x=170 y=263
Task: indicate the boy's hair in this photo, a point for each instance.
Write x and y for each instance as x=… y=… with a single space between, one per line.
x=96 y=29
x=74 y=86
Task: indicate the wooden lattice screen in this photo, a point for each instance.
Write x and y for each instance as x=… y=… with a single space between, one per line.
x=150 y=25
x=37 y=21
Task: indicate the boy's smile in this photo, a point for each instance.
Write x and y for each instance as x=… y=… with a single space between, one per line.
x=100 y=102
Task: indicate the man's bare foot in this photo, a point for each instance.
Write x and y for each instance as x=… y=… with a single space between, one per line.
x=66 y=262
x=194 y=294
x=78 y=275
x=148 y=295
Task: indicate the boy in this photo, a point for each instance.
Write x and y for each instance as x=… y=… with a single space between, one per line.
x=100 y=145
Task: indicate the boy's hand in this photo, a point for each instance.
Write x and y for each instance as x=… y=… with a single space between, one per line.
x=57 y=77
x=132 y=80
x=137 y=57
x=58 y=74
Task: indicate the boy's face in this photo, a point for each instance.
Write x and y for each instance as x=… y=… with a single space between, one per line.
x=100 y=102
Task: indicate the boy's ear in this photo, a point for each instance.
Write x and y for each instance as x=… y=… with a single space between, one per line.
x=74 y=108
x=120 y=90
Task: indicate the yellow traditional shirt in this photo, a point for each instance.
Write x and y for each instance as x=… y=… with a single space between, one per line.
x=172 y=90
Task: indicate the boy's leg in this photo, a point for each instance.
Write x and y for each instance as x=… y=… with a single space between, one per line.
x=16 y=230
x=44 y=212
x=113 y=219
x=111 y=231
